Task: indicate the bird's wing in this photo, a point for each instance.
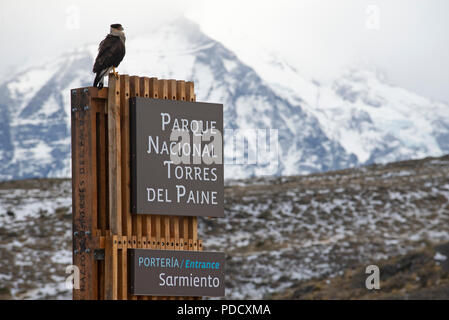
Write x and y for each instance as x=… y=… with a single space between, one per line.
x=110 y=53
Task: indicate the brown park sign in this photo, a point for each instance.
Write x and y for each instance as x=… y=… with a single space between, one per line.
x=176 y=273
x=176 y=157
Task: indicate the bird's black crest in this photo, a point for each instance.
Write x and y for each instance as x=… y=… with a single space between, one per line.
x=116 y=26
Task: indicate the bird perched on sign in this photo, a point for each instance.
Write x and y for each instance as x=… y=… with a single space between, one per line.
x=110 y=53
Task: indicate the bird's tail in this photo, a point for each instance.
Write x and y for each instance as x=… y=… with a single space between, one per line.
x=99 y=79
x=98 y=82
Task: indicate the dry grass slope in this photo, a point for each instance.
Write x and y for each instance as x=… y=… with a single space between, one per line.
x=298 y=237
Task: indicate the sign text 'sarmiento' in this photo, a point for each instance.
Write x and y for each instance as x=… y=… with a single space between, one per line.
x=176 y=273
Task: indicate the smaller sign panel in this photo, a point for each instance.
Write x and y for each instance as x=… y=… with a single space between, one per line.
x=176 y=273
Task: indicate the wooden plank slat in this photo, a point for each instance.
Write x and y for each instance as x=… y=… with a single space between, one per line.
x=102 y=169
x=145 y=219
x=190 y=93
x=134 y=86
x=156 y=92
x=175 y=220
x=101 y=280
x=192 y=221
x=164 y=94
x=191 y=96
x=181 y=90
x=163 y=89
x=111 y=272
x=96 y=105
x=134 y=89
x=158 y=232
x=115 y=266
x=134 y=245
x=167 y=232
x=149 y=226
x=119 y=273
x=154 y=88
x=143 y=245
x=144 y=87
x=150 y=90
x=183 y=221
x=125 y=155
x=124 y=276
x=114 y=158
x=171 y=89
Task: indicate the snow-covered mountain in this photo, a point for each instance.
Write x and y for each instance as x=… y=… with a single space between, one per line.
x=358 y=119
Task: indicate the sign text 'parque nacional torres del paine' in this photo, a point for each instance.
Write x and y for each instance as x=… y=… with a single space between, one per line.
x=177 y=157
x=176 y=273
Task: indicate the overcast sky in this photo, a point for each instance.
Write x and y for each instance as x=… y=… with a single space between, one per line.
x=406 y=39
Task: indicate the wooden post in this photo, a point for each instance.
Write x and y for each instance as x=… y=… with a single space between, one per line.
x=83 y=188
x=102 y=219
x=87 y=181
